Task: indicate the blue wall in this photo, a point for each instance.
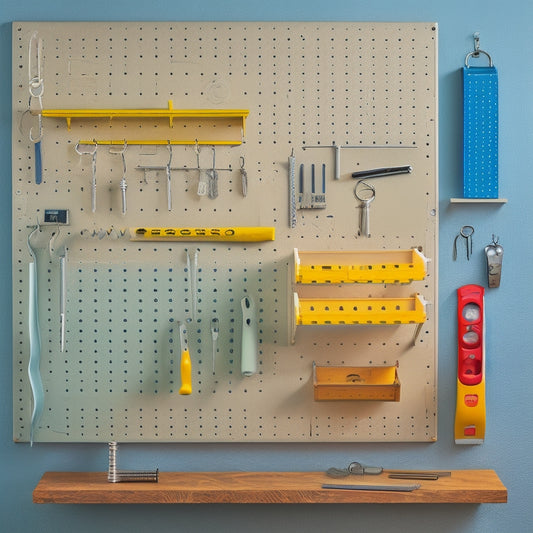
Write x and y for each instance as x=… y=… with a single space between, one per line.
x=506 y=34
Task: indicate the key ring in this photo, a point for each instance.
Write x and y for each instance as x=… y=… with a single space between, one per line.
x=367 y=187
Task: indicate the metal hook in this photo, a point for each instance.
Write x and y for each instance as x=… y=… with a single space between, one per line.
x=169 y=190
x=477 y=51
x=123 y=184
x=30 y=235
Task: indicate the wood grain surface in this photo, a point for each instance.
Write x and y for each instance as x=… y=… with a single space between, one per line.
x=463 y=486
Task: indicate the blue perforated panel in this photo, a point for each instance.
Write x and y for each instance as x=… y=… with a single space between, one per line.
x=480 y=162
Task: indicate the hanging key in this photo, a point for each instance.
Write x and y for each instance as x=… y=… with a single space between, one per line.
x=365 y=193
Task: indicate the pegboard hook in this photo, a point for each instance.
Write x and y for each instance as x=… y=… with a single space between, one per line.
x=477 y=51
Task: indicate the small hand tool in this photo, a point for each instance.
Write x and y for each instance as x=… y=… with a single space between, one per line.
x=212 y=174
x=466 y=232
x=244 y=178
x=365 y=193
x=91 y=152
x=292 y=190
x=381 y=172
x=354 y=468
x=185 y=361
x=494 y=253
x=123 y=184
x=214 y=337
x=169 y=184
x=312 y=200
x=394 y=488
x=116 y=476
x=36 y=89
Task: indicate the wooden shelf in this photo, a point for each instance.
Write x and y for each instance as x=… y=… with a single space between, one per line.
x=463 y=486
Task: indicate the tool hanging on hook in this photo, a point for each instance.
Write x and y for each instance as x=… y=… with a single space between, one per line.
x=466 y=232
x=494 y=253
x=123 y=184
x=244 y=178
x=36 y=90
x=91 y=152
x=168 y=168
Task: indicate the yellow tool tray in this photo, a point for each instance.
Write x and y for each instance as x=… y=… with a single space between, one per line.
x=380 y=266
x=316 y=311
x=377 y=383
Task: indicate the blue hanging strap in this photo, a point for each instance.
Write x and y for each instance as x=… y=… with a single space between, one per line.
x=480 y=130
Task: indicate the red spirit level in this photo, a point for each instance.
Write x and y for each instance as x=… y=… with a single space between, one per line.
x=470 y=409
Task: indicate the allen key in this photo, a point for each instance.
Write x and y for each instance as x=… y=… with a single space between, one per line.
x=116 y=476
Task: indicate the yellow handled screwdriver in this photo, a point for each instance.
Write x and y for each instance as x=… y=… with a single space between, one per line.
x=185 y=362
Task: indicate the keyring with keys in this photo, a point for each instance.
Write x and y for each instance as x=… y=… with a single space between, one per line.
x=365 y=193
x=466 y=233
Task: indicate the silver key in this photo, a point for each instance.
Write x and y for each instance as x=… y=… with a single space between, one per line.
x=365 y=193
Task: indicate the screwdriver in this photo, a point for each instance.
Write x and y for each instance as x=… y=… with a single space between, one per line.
x=185 y=362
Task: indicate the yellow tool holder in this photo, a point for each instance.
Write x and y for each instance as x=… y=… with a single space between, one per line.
x=376 y=383
x=330 y=311
x=171 y=114
x=381 y=266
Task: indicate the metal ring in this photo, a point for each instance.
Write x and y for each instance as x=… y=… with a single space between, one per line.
x=468 y=233
x=367 y=187
x=476 y=54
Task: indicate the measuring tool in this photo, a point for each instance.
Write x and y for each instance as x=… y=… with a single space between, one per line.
x=234 y=234
x=185 y=361
x=470 y=407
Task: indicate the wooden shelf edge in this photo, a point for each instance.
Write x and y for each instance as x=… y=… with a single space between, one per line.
x=463 y=486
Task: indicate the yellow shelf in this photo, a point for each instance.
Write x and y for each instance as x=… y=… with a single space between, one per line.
x=375 y=383
x=328 y=311
x=381 y=266
x=170 y=113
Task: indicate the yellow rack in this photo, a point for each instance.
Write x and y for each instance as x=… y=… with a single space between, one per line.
x=381 y=266
x=317 y=311
x=376 y=383
x=170 y=113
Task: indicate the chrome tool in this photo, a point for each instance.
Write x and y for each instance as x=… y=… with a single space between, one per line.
x=292 y=190
x=169 y=185
x=365 y=193
x=244 y=178
x=212 y=175
x=116 y=476
x=123 y=184
x=466 y=232
x=494 y=254
x=91 y=152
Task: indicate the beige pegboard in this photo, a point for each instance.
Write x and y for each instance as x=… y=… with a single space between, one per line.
x=373 y=85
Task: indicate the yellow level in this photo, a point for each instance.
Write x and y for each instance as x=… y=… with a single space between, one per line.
x=234 y=234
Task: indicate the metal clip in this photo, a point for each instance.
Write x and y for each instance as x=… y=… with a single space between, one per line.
x=494 y=253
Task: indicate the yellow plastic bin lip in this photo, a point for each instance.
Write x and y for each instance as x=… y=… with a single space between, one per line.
x=374 y=266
